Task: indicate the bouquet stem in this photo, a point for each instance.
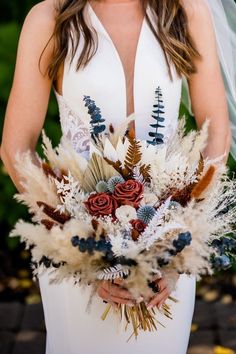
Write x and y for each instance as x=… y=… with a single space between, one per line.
x=139 y=316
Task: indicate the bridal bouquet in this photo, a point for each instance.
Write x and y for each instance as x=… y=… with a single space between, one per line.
x=135 y=210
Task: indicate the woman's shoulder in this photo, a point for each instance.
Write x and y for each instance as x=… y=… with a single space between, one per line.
x=196 y=10
x=41 y=17
x=36 y=33
x=199 y=20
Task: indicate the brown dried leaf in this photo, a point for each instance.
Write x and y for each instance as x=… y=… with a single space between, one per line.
x=62 y=218
x=203 y=183
x=145 y=171
x=133 y=157
x=48 y=223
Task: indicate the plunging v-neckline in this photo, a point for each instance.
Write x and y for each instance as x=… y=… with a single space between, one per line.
x=117 y=55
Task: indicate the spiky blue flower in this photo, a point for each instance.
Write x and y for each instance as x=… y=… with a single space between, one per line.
x=102 y=187
x=113 y=181
x=145 y=213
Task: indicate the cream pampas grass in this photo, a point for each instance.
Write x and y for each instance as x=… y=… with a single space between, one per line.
x=133 y=210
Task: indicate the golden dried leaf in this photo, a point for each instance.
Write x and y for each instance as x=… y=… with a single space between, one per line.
x=145 y=172
x=98 y=169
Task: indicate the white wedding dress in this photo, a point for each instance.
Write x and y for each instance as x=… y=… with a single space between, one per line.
x=70 y=329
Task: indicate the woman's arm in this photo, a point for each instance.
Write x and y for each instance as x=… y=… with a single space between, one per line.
x=30 y=91
x=206 y=86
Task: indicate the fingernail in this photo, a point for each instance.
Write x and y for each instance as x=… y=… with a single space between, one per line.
x=149 y=307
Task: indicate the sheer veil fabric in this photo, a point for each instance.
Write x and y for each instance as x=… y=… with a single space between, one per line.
x=224 y=22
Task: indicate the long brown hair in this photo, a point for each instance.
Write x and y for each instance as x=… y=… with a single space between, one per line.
x=171 y=31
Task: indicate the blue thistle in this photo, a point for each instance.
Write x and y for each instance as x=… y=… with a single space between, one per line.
x=145 y=213
x=102 y=187
x=96 y=118
x=113 y=181
x=174 y=205
x=158 y=110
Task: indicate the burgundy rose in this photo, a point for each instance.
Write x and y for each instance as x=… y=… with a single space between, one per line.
x=129 y=193
x=101 y=204
x=138 y=227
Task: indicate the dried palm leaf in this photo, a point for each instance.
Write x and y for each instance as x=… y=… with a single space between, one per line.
x=98 y=169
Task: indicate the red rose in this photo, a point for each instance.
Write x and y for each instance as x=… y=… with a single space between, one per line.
x=138 y=227
x=129 y=193
x=101 y=204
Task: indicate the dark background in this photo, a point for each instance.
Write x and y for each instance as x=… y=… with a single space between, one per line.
x=15 y=277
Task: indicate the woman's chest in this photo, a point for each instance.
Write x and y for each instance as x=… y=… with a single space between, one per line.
x=104 y=79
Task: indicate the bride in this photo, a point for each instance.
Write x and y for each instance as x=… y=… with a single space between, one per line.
x=118 y=52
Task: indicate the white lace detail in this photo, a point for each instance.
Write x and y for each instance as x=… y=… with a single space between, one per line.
x=73 y=128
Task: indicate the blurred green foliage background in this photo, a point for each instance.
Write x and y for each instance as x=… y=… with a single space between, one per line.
x=13 y=259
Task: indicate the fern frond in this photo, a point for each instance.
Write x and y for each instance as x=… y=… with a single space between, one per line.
x=117 y=165
x=133 y=157
x=118 y=271
x=145 y=171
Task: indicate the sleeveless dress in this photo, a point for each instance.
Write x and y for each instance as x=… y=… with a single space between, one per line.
x=70 y=329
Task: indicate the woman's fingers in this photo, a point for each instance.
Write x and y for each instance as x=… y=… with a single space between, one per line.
x=159 y=298
x=162 y=284
x=107 y=296
x=117 y=290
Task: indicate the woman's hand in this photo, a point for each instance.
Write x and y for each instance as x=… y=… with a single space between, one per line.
x=114 y=293
x=162 y=295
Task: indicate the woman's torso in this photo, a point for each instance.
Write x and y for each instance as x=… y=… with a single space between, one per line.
x=121 y=78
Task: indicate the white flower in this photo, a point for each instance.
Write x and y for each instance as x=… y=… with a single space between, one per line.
x=125 y=213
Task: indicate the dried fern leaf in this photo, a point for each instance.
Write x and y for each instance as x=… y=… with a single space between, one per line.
x=133 y=157
x=118 y=271
x=145 y=171
x=117 y=165
x=204 y=182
